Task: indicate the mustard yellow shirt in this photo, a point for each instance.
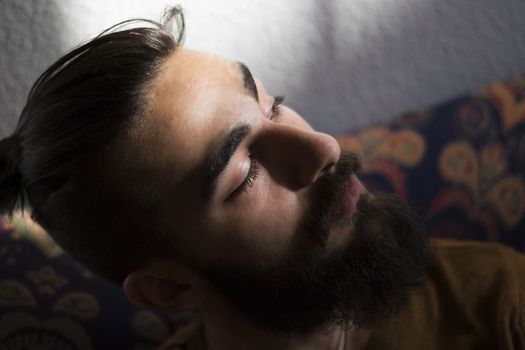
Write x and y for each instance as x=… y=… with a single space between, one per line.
x=474 y=298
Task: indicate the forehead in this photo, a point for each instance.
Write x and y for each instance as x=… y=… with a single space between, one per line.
x=184 y=77
x=189 y=86
x=194 y=99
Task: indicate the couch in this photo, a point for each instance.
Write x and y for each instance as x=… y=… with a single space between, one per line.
x=460 y=164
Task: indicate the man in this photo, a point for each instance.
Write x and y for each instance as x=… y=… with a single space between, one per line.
x=177 y=175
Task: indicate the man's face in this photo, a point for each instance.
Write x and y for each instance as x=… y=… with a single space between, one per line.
x=266 y=209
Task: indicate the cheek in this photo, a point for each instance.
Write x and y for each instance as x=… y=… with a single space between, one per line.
x=264 y=224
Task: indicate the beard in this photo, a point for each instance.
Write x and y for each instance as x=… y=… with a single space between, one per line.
x=312 y=289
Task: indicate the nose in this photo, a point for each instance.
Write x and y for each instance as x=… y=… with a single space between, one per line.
x=296 y=157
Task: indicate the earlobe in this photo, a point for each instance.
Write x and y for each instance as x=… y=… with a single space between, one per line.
x=151 y=291
x=133 y=289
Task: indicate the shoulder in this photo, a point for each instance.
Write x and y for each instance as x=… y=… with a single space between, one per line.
x=483 y=279
x=476 y=266
x=473 y=298
x=484 y=258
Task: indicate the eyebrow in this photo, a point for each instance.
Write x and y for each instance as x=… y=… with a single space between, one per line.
x=217 y=163
x=249 y=82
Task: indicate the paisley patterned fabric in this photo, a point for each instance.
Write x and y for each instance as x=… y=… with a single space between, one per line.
x=49 y=302
x=460 y=164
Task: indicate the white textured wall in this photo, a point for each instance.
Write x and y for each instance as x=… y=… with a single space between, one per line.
x=342 y=64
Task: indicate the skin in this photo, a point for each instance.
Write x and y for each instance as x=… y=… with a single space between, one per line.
x=193 y=103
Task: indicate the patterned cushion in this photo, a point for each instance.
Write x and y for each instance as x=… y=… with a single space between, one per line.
x=460 y=164
x=49 y=301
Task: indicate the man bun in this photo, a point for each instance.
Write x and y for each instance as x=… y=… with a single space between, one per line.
x=10 y=177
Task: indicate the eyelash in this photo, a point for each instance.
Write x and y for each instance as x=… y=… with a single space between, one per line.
x=254 y=164
x=276 y=106
x=250 y=177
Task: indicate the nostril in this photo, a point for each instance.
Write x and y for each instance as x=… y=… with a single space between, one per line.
x=327 y=168
x=324 y=171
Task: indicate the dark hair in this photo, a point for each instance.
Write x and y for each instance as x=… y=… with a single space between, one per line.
x=77 y=113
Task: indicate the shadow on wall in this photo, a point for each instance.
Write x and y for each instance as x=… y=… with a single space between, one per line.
x=30 y=40
x=375 y=61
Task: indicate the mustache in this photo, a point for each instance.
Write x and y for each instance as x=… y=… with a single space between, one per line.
x=327 y=195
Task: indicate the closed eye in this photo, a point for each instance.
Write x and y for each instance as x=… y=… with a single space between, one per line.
x=253 y=172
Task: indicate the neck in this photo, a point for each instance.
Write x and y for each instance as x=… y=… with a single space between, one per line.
x=227 y=328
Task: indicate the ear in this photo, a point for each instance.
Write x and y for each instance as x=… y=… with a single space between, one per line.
x=146 y=288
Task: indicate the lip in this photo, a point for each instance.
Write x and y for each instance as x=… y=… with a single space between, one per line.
x=348 y=203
